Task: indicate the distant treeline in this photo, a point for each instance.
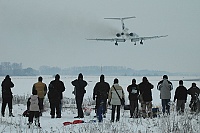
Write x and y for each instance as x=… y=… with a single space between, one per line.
x=111 y=71
x=16 y=69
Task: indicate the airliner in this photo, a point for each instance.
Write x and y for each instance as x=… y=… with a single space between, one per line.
x=126 y=35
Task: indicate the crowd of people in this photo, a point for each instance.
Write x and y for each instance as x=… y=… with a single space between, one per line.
x=104 y=95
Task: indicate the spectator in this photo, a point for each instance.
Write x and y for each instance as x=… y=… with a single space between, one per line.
x=133 y=91
x=194 y=91
x=7 y=96
x=41 y=92
x=145 y=90
x=100 y=94
x=33 y=108
x=114 y=99
x=165 y=87
x=56 y=87
x=79 y=92
x=181 y=96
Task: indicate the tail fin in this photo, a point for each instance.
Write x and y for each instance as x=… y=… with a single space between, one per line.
x=122 y=20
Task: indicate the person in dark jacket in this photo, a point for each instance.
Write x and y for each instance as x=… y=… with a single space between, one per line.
x=145 y=90
x=100 y=93
x=181 y=96
x=79 y=91
x=7 y=96
x=194 y=91
x=56 y=87
x=133 y=91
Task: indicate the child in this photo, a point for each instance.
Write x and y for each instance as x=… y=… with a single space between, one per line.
x=33 y=107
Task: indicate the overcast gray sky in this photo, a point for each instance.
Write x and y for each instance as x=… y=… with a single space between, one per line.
x=51 y=32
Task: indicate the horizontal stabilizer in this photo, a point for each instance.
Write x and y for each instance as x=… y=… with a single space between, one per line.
x=121 y=18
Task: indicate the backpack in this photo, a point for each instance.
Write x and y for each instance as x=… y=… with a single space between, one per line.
x=25 y=113
x=34 y=103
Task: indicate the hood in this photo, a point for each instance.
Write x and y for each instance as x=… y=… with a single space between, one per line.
x=34 y=97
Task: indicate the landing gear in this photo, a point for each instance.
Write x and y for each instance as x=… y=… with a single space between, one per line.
x=116 y=43
x=141 y=42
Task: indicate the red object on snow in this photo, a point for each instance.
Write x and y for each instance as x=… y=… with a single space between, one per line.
x=67 y=123
x=78 y=121
x=74 y=122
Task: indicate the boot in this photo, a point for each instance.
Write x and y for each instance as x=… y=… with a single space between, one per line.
x=11 y=114
x=39 y=125
x=37 y=122
x=2 y=113
x=29 y=124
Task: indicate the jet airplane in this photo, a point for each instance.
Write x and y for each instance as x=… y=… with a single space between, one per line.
x=125 y=35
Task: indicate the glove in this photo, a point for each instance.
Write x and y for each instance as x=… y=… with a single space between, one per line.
x=109 y=103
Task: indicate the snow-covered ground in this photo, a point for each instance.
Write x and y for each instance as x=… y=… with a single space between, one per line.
x=23 y=85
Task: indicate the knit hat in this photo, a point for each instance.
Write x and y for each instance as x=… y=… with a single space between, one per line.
x=193 y=84
x=181 y=82
x=102 y=77
x=7 y=77
x=116 y=81
x=165 y=77
x=57 y=76
x=133 y=80
x=80 y=76
x=40 y=78
x=144 y=79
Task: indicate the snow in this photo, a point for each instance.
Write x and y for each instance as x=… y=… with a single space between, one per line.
x=23 y=85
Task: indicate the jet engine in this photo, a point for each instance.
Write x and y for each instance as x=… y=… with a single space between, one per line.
x=130 y=34
x=118 y=34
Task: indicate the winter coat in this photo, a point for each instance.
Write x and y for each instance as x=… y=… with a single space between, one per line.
x=33 y=103
x=133 y=92
x=56 y=87
x=145 y=91
x=101 y=90
x=192 y=91
x=6 y=85
x=41 y=89
x=113 y=97
x=180 y=93
x=165 y=87
x=79 y=87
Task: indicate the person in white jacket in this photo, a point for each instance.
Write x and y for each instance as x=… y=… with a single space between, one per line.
x=165 y=87
x=33 y=108
x=114 y=99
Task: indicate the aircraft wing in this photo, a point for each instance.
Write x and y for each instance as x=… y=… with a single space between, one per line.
x=135 y=39
x=111 y=40
x=197 y=79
